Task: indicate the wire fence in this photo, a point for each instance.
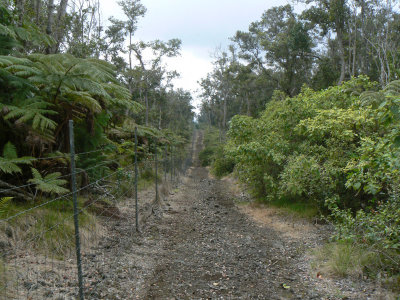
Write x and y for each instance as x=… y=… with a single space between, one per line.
x=57 y=247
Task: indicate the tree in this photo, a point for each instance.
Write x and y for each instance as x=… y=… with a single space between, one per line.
x=331 y=15
x=280 y=46
x=152 y=73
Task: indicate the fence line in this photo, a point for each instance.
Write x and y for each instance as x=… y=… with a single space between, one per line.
x=46 y=245
x=62 y=176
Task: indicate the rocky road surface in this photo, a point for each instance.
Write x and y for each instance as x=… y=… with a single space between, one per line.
x=197 y=244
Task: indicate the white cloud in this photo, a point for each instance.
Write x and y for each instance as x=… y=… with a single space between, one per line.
x=192 y=67
x=202 y=25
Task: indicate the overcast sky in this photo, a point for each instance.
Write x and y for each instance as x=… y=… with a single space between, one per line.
x=202 y=25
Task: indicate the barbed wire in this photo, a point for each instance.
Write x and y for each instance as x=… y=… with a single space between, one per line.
x=60 y=197
x=3 y=191
x=80 y=211
x=108 y=189
x=66 y=155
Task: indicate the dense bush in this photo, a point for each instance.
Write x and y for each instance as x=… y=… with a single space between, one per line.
x=206 y=156
x=336 y=148
x=222 y=164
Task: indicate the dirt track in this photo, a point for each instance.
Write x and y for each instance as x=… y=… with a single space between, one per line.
x=196 y=243
x=199 y=245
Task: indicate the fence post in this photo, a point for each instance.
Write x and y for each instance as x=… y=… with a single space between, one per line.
x=136 y=183
x=165 y=164
x=172 y=163
x=76 y=213
x=155 y=157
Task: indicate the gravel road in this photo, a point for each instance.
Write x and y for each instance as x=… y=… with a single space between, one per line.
x=198 y=244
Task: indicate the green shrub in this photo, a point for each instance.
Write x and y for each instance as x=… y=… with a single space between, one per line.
x=338 y=150
x=206 y=156
x=147 y=174
x=380 y=226
x=222 y=165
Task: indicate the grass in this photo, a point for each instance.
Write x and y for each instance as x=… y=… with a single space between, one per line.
x=48 y=229
x=350 y=259
x=345 y=259
x=300 y=209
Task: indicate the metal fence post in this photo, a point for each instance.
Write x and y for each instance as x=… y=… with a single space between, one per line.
x=136 y=183
x=165 y=164
x=172 y=163
x=76 y=213
x=156 y=162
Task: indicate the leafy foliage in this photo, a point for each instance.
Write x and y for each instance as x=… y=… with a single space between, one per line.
x=9 y=161
x=336 y=149
x=51 y=183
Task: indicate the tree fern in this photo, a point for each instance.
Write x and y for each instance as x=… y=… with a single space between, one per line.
x=33 y=111
x=393 y=88
x=51 y=183
x=372 y=98
x=9 y=161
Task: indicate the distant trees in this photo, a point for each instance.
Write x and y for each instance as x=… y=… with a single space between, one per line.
x=328 y=43
x=57 y=63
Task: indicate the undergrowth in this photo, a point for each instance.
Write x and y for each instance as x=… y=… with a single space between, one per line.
x=213 y=154
x=300 y=209
x=351 y=259
x=48 y=229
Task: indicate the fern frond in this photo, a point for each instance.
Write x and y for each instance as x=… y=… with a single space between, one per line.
x=35 y=112
x=5 y=30
x=10 y=151
x=6 y=61
x=23 y=33
x=10 y=166
x=372 y=98
x=84 y=99
x=4 y=202
x=393 y=88
x=50 y=183
x=23 y=70
x=85 y=84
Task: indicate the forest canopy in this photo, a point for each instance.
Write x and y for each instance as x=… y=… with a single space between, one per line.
x=58 y=62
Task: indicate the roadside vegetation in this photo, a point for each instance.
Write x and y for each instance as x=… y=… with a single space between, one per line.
x=58 y=62
x=307 y=115
x=213 y=154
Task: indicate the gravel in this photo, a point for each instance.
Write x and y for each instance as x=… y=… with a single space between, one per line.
x=196 y=244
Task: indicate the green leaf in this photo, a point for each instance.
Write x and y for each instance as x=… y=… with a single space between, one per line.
x=51 y=183
x=10 y=161
x=396 y=141
x=9 y=151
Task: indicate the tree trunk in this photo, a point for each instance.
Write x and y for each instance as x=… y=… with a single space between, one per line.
x=15 y=192
x=59 y=32
x=20 y=5
x=342 y=58
x=38 y=7
x=50 y=21
x=248 y=104
x=159 y=120
x=353 y=71
x=225 y=110
x=146 y=100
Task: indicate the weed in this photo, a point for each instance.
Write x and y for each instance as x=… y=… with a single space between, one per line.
x=300 y=209
x=345 y=259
